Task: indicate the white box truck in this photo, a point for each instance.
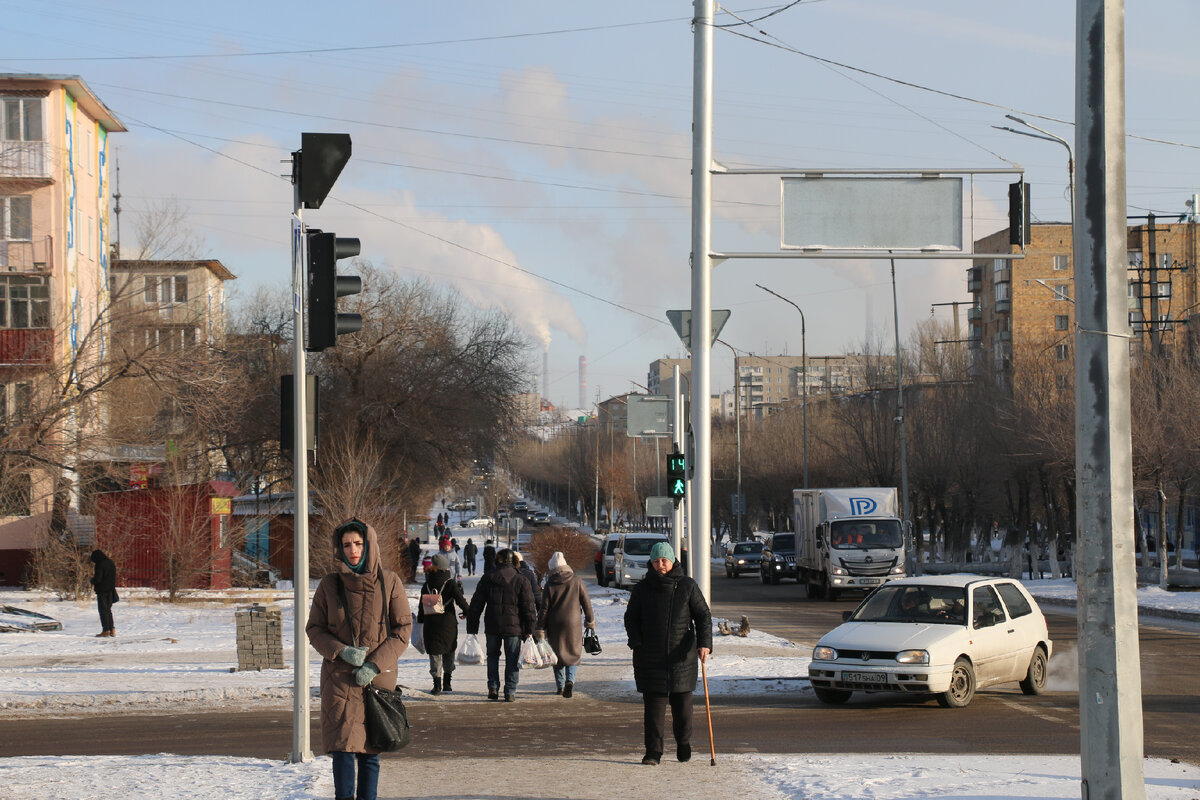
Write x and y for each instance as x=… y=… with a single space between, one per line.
x=847 y=539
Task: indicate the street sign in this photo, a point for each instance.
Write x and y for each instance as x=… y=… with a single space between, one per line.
x=659 y=506
x=681 y=321
x=648 y=415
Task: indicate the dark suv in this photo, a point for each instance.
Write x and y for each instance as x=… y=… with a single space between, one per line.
x=779 y=559
x=742 y=557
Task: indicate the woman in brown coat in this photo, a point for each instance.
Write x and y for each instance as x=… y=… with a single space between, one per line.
x=347 y=627
x=563 y=600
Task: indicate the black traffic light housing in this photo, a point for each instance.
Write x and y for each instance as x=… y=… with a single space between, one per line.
x=677 y=473
x=325 y=286
x=1018 y=213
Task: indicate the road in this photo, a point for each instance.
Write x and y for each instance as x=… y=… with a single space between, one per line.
x=997 y=721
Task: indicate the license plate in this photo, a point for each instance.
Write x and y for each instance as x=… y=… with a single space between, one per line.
x=865 y=677
x=868 y=580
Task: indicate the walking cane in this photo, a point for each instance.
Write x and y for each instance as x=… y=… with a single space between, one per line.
x=712 y=748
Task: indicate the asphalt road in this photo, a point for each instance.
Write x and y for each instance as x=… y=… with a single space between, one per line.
x=997 y=721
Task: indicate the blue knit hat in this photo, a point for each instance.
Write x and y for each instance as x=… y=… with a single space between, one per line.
x=662 y=550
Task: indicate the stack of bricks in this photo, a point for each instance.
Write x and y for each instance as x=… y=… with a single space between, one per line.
x=259 y=637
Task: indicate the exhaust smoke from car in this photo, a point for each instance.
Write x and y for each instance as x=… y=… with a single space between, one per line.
x=1063 y=674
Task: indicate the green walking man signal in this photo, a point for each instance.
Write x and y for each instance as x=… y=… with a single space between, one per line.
x=677 y=472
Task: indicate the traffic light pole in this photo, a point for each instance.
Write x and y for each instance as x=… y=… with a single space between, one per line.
x=677 y=440
x=301 y=732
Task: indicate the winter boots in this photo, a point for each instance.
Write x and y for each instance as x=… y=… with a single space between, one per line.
x=437 y=686
x=568 y=689
x=446 y=683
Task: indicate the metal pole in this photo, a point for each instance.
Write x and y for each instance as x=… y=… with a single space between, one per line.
x=804 y=366
x=702 y=266
x=301 y=735
x=1110 y=684
x=741 y=510
x=596 y=507
x=900 y=419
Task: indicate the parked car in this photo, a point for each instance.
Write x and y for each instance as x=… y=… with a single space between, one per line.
x=478 y=522
x=631 y=558
x=606 y=563
x=742 y=557
x=778 y=559
x=941 y=635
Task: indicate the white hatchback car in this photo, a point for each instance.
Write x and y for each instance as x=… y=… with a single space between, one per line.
x=944 y=635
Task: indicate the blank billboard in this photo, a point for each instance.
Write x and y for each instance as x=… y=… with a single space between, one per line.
x=871 y=213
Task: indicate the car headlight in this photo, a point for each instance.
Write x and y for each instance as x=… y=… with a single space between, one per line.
x=823 y=653
x=838 y=571
x=898 y=570
x=912 y=656
x=741 y=561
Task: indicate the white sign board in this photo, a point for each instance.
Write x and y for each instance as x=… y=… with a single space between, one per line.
x=871 y=213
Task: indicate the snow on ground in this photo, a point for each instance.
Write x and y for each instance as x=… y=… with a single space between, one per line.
x=168 y=654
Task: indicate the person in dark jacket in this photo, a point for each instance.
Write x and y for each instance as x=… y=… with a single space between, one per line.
x=469 y=552
x=441 y=630
x=104 y=581
x=511 y=615
x=523 y=567
x=489 y=557
x=669 y=627
x=414 y=558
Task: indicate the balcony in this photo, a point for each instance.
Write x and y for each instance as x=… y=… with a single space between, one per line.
x=27 y=256
x=26 y=160
x=974 y=314
x=26 y=347
x=1003 y=336
x=1004 y=306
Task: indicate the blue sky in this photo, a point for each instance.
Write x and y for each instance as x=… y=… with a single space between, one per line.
x=535 y=156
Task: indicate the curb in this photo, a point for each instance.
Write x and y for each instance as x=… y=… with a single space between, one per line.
x=1144 y=612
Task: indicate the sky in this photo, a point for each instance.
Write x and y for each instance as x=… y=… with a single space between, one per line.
x=535 y=157
x=170 y=657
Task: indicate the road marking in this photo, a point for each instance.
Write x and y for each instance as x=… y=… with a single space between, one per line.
x=1059 y=718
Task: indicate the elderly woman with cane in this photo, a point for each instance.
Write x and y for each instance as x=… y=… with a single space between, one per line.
x=669 y=627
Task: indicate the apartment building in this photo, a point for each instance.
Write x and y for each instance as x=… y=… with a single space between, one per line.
x=54 y=242
x=1023 y=310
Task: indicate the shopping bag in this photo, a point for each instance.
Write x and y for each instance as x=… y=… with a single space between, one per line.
x=591 y=642
x=386 y=719
x=530 y=656
x=469 y=652
x=549 y=659
x=417 y=639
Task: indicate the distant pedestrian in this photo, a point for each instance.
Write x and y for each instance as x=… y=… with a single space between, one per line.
x=670 y=628
x=347 y=626
x=564 y=601
x=469 y=552
x=523 y=567
x=506 y=597
x=414 y=558
x=489 y=557
x=104 y=581
x=441 y=630
x=446 y=551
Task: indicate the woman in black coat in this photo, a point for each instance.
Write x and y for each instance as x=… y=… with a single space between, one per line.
x=441 y=630
x=670 y=628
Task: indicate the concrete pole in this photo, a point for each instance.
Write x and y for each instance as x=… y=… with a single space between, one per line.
x=1110 y=684
x=702 y=265
x=301 y=734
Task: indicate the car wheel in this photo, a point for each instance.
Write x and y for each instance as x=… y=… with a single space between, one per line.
x=733 y=573
x=728 y=572
x=962 y=686
x=1035 y=679
x=832 y=697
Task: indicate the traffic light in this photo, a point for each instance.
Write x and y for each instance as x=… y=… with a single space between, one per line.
x=677 y=473
x=1018 y=213
x=325 y=286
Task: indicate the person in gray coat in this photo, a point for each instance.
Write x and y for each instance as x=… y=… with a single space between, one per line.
x=564 y=600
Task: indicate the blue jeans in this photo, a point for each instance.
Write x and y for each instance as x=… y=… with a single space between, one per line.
x=343 y=775
x=512 y=662
x=564 y=674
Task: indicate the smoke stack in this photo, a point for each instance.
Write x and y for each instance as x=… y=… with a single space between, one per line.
x=583 y=381
x=546 y=375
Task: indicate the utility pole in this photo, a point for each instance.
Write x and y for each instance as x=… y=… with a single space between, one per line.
x=1110 y=684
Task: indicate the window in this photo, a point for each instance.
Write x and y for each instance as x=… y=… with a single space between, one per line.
x=1018 y=606
x=16 y=496
x=24 y=301
x=1003 y=291
x=1062 y=352
x=986 y=607
x=1062 y=263
x=22 y=119
x=1063 y=382
x=1164 y=322
x=1062 y=292
x=1134 y=292
x=1135 y=321
x=1135 y=259
x=999 y=265
x=1164 y=260
x=164 y=290
x=1060 y=322
x=16 y=218
x=1162 y=289
x=14 y=402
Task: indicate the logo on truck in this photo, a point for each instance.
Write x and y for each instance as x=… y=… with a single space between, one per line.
x=862 y=506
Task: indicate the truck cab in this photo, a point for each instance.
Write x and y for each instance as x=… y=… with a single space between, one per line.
x=849 y=539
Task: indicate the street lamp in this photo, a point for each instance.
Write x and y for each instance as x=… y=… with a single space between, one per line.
x=1050 y=137
x=804 y=382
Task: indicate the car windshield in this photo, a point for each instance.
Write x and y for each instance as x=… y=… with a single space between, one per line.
x=864 y=535
x=640 y=547
x=927 y=603
x=742 y=548
x=783 y=543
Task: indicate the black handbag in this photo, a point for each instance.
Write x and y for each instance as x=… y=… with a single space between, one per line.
x=115 y=596
x=591 y=642
x=386 y=718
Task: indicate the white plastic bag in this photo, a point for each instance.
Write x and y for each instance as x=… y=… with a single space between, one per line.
x=530 y=656
x=469 y=652
x=549 y=659
x=417 y=639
